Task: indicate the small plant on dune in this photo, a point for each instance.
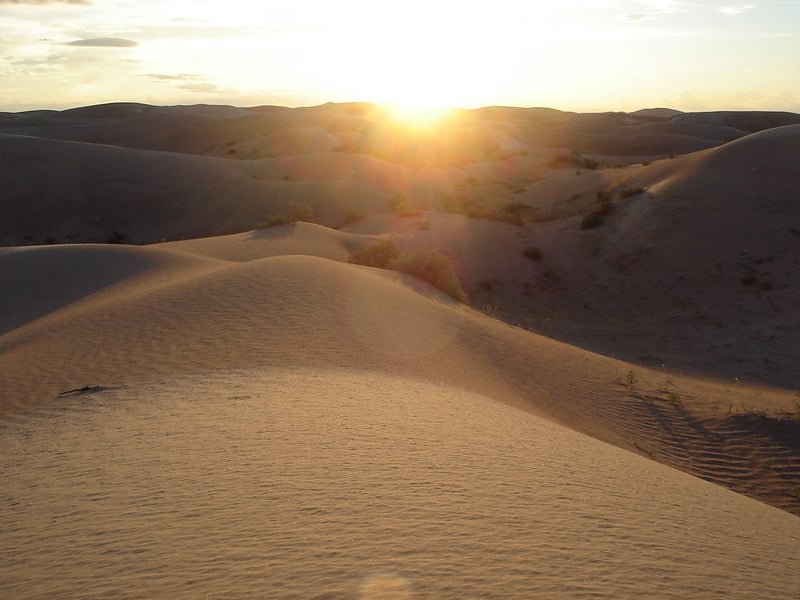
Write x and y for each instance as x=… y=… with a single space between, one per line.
x=533 y=252
x=116 y=238
x=423 y=225
x=628 y=192
x=592 y=221
x=423 y=263
x=630 y=380
x=399 y=205
x=296 y=212
x=604 y=204
x=674 y=397
x=352 y=216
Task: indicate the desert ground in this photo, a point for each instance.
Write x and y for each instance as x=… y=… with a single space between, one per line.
x=577 y=374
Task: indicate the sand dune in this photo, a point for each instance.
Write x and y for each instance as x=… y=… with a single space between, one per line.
x=148 y=196
x=301 y=239
x=309 y=483
x=40 y=280
x=248 y=414
x=306 y=311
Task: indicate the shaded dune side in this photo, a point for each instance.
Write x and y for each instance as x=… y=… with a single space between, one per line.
x=38 y=280
x=148 y=196
x=305 y=239
x=303 y=311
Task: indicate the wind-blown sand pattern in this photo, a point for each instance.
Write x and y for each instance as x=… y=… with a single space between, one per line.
x=313 y=483
x=244 y=413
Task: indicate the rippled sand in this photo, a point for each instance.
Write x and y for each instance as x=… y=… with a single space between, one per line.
x=327 y=484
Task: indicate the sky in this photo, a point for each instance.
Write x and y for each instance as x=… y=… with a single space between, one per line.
x=584 y=55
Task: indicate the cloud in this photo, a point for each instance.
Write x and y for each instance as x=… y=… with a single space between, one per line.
x=201 y=86
x=191 y=82
x=45 y=2
x=735 y=11
x=177 y=77
x=106 y=42
x=637 y=17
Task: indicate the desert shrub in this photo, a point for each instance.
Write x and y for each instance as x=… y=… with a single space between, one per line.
x=423 y=263
x=432 y=267
x=352 y=216
x=604 y=202
x=514 y=208
x=296 y=212
x=533 y=252
x=748 y=280
x=116 y=237
x=423 y=225
x=399 y=205
x=381 y=254
x=494 y=214
x=590 y=164
x=628 y=192
x=592 y=220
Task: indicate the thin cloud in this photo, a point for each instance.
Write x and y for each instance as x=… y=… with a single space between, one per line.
x=735 y=11
x=177 y=77
x=107 y=42
x=41 y=2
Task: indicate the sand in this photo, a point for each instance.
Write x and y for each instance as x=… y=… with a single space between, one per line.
x=243 y=413
x=315 y=483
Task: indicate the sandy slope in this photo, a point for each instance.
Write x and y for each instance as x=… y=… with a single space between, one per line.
x=260 y=413
x=301 y=238
x=351 y=484
x=307 y=311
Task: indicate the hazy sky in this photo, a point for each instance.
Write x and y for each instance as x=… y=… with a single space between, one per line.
x=582 y=55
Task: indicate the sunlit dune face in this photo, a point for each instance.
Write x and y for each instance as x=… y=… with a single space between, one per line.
x=416 y=116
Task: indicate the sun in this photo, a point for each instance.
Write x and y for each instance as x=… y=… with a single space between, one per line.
x=416 y=115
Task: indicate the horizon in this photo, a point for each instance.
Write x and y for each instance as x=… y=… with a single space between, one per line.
x=589 y=56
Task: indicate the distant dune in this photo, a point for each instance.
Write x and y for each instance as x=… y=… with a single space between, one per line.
x=236 y=409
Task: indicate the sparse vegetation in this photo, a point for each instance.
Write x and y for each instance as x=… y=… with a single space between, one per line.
x=423 y=225
x=399 y=205
x=423 y=263
x=296 y=212
x=575 y=159
x=604 y=206
x=533 y=252
x=634 y=191
x=630 y=380
x=351 y=216
x=116 y=237
x=592 y=220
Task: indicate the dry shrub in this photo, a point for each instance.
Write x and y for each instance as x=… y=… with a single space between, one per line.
x=423 y=263
x=296 y=212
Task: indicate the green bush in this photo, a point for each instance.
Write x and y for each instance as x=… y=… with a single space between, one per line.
x=423 y=263
x=296 y=212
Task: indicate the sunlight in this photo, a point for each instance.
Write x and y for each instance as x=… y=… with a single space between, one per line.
x=416 y=116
